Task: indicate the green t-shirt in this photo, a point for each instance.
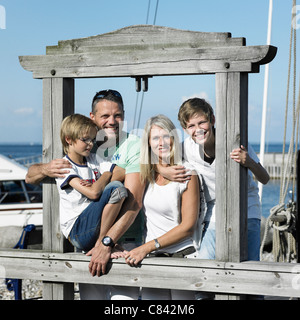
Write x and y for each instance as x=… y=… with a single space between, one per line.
x=126 y=154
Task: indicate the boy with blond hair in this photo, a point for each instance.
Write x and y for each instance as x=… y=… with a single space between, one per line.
x=90 y=199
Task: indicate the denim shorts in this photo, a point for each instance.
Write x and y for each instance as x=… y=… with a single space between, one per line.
x=85 y=231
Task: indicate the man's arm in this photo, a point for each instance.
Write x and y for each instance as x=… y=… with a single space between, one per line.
x=54 y=169
x=130 y=209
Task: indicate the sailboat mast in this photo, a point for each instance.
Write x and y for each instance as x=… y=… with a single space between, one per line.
x=265 y=100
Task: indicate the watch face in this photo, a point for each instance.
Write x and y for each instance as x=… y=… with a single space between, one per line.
x=107 y=241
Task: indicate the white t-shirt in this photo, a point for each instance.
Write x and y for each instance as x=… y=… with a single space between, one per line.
x=72 y=202
x=194 y=155
x=162 y=207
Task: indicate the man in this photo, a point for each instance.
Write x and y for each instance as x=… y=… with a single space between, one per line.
x=120 y=148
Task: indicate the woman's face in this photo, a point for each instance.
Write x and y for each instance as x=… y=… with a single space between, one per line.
x=160 y=142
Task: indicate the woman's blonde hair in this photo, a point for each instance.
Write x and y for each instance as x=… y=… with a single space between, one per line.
x=73 y=127
x=148 y=160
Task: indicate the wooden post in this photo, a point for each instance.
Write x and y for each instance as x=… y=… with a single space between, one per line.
x=58 y=102
x=231 y=178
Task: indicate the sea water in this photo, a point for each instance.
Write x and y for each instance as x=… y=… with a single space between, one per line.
x=271 y=191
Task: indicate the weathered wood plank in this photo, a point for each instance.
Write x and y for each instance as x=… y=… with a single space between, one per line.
x=143 y=37
x=122 y=63
x=58 y=102
x=231 y=178
x=278 y=279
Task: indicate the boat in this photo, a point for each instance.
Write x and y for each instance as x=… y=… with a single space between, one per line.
x=20 y=203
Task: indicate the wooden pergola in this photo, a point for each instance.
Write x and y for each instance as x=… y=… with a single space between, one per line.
x=147 y=51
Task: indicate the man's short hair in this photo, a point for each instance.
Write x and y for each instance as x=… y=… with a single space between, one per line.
x=111 y=95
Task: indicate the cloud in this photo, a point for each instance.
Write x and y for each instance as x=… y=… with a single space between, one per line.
x=23 y=111
x=202 y=95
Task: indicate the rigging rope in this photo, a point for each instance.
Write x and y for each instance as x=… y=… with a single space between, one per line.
x=284 y=244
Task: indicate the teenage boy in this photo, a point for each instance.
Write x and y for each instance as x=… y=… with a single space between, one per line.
x=197 y=119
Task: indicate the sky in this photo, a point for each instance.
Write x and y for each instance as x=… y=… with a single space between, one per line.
x=27 y=27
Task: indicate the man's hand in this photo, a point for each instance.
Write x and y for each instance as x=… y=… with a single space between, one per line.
x=100 y=257
x=56 y=168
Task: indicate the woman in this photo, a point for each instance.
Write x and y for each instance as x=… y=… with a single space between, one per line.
x=171 y=208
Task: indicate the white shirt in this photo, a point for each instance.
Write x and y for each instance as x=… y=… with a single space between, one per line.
x=162 y=207
x=72 y=202
x=193 y=153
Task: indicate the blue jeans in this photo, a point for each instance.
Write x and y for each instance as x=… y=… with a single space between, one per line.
x=85 y=231
x=208 y=245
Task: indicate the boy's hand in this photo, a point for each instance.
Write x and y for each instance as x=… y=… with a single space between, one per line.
x=85 y=183
x=175 y=173
x=118 y=252
x=241 y=156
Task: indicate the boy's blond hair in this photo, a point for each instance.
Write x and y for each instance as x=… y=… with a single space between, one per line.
x=192 y=107
x=74 y=127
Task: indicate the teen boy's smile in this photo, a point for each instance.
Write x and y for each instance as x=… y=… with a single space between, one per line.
x=200 y=129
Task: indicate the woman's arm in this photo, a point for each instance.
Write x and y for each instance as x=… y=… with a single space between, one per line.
x=189 y=214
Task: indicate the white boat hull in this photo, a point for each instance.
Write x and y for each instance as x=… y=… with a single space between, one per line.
x=21 y=214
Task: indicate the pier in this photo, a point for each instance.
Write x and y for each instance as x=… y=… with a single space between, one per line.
x=273 y=163
x=141 y=52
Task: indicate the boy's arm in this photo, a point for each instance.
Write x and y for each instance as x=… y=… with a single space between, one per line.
x=241 y=156
x=93 y=191
x=130 y=209
x=54 y=169
x=174 y=173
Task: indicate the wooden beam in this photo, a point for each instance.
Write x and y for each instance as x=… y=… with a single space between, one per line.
x=149 y=62
x=231 y=178
x=58 y=102
x=265 y=278
x=142 y=37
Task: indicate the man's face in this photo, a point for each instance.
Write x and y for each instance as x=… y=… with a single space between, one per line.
x=109 y=117
x=200 y=129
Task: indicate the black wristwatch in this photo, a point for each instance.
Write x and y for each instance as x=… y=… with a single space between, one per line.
x=108 y=242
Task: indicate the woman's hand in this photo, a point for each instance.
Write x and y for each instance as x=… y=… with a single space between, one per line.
x=135 y=256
